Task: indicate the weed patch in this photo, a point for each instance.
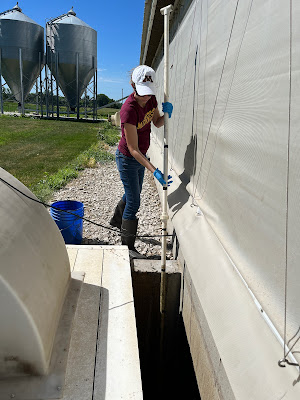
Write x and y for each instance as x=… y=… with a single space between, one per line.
x=109 y=134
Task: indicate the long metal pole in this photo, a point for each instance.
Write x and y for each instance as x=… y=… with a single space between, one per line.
x=37 y=96
x=21 y=81
x=51 y=82
x=164 y=216
x=57 y=88
x=1 y=95
x=41 y=88
x=85 y=105
x=94 y=91
x=46 y=83
x=77 y=83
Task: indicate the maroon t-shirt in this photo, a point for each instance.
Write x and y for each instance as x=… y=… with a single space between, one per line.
x=132 y=113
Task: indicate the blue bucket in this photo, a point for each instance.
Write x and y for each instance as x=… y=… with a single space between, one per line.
x=70 y=225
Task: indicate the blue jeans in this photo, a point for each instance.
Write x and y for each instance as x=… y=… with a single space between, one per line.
x=132 y=176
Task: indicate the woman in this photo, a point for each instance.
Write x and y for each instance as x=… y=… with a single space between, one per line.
x=136 y=115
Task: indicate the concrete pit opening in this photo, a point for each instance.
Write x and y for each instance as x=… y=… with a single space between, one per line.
x=167 y=369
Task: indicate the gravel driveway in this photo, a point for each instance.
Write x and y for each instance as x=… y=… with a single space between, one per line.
x=100 y=189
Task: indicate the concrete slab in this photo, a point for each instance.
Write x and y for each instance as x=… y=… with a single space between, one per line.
x=96 y=355
x=121 y=356
x=104 y=360
x=90 y=262
x=72 y=253
x=81 y=361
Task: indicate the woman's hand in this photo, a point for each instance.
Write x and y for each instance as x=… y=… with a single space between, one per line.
x=167 y=108
x=159 y=176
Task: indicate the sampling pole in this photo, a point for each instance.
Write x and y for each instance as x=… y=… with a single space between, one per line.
x=164 y=216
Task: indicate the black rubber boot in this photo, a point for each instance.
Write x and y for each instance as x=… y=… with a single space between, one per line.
x=128 y=235
x=116 y=220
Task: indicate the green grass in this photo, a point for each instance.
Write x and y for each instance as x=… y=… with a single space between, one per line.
x=45 y=155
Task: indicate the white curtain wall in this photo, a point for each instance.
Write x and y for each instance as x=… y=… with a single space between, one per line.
x=234 y=139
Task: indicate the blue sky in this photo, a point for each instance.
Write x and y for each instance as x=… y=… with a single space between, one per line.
x=119 y=27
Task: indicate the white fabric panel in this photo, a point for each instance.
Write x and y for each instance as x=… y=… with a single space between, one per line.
x=246 y=346
x=293 y=287
x=229 y=138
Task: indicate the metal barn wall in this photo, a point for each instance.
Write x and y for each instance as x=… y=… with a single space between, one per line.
x=234 y=146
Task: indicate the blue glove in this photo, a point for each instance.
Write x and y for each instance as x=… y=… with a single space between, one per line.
x=167 y=108
x=160 y=177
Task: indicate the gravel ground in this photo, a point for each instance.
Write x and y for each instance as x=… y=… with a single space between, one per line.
x=100 y=189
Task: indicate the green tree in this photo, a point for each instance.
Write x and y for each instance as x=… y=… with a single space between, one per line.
x=102 y=100
x=6 y=93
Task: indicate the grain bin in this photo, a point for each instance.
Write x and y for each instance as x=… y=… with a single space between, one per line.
x=71 y=54
x=21 y=51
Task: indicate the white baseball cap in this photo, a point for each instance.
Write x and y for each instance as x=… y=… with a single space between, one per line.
x=144 y=77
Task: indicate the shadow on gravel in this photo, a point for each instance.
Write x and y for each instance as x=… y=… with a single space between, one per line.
x=155 y=242
x=150 y=241
x=95 y=242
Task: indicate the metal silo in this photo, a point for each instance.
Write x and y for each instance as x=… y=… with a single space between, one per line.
x=71 y=55
x=21 y=52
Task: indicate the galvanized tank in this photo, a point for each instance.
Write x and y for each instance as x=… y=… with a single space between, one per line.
x=20 y=39
x=71 y=54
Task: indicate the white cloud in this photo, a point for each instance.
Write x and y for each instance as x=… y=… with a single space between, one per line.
x=110 y=80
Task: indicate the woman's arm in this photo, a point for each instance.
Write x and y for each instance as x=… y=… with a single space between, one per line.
x=158 y=120
x=132 y=144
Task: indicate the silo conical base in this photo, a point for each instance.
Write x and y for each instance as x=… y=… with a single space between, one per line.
x=11 y=75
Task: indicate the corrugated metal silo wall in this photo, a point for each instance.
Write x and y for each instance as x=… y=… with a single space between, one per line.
x=234 y=144
x=29 y=37
x=66 y=40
